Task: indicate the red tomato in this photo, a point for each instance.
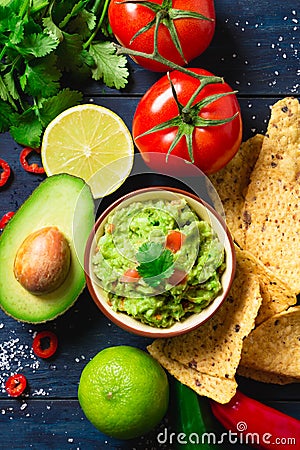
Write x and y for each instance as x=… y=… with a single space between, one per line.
x=194 y=34
x=213 y=146
x=174 y=241
x=45 y=344
x=130 y=276
x=15 y=385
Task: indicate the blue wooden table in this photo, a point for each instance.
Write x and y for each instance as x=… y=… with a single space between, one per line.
x=256 y=48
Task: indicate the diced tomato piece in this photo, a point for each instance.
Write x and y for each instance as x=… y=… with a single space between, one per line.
x=130 y=276
x=174 y=240
x=110 y=228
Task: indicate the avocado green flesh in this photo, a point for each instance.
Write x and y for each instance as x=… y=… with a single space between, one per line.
x=63 y=201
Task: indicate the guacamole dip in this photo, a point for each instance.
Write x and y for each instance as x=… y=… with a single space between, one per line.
x=158 y=261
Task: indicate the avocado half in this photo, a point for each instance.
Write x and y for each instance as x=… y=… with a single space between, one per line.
x=63 y=201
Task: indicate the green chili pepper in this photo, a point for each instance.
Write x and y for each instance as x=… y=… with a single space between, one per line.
x=193 y=419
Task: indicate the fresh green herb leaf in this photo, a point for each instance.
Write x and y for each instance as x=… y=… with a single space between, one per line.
x=156 y=263
x=109 y=66
x=52 y=29
x=11 y=85
x=83 y=24
x=38 y=45
x=40 y=40
x=76 y=9
x=68 y=52
x=52 y=106
x=4 y=92
x=28 y=129
x=7 y=116
x=42 y=77
x=149 y=251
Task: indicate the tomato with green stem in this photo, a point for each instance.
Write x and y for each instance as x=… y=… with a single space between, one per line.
x=177 y=30
x=196 y=119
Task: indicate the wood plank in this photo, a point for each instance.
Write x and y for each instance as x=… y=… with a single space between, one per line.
x=61 y=424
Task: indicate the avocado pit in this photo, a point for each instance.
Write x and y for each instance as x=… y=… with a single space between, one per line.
x=43 y=261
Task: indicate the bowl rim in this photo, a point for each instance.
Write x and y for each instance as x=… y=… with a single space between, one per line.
x=157 y=332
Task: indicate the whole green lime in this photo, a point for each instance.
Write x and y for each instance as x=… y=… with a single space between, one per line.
x=124 y=392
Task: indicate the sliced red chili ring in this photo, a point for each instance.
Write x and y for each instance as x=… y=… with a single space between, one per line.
x=34 y=167
x=5 y=219
x=16 y=384
x=45 y=344
x=5 y=172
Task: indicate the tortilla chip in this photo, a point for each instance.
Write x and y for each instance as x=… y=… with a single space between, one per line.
x=231 y=185
x=207 y=358
x=265 y=377
x=216 y=388
x=271 y=212
x=215 y=347
x=274 y=346
x=276 y=295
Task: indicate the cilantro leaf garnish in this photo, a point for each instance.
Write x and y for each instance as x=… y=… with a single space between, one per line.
x=109 y=66
x=41 y=41
x=156 y=263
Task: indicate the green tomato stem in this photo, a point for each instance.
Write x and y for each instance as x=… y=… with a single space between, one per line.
x=155 y=56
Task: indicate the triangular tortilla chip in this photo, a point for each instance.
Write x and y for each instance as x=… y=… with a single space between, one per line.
x=231 y=184
x=274 y=346
x=215 y=347
x=216 y=388
x=276 y=295
x=209 y=356
x=265 y=377
x=272 y=205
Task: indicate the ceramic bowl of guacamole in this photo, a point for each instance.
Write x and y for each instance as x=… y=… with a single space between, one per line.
x=159 y=262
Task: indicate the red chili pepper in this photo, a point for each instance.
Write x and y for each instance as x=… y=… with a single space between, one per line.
x=5 y=219
x=5 y=172
x=16 y=384
x=256 y=424
x=45 y=344
x=34 y=168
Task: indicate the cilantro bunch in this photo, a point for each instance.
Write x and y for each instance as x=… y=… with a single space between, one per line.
x=40 y=42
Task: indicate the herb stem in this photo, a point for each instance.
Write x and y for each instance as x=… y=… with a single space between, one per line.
x=96 y=7
x=2 y=54
x=24 y=9
x=103 y=14
x=38 y=8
